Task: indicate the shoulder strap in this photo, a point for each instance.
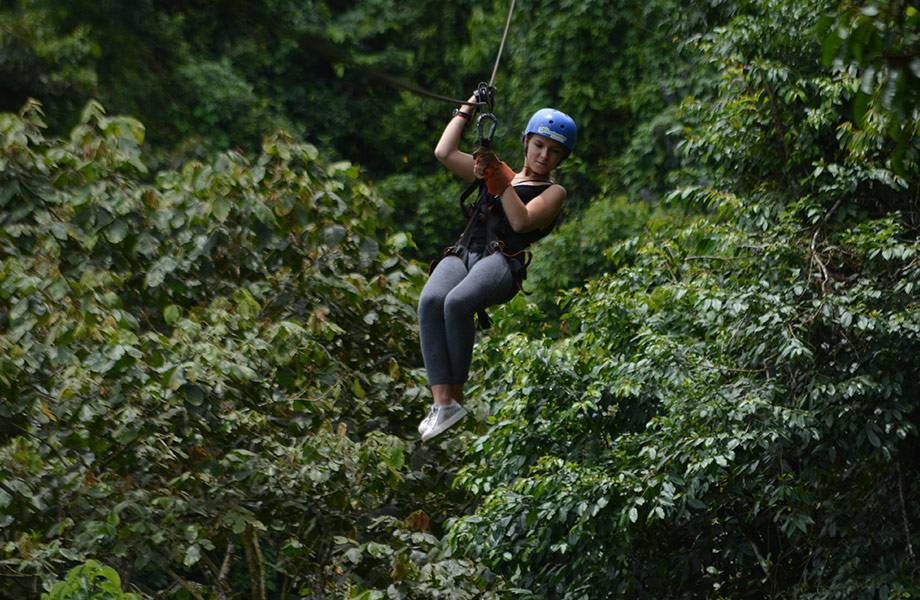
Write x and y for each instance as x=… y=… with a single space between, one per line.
x=466 y=194
x=472 y=212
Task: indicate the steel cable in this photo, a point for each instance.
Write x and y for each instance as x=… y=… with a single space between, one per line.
x=337 y=55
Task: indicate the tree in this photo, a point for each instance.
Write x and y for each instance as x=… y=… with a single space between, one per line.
x=734 y=413
x=209 y=380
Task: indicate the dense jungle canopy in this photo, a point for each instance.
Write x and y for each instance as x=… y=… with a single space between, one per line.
x=216 y=221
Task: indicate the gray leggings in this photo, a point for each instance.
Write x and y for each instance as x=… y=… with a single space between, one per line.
x=450 y=298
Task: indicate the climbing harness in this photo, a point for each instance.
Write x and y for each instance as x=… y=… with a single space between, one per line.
x=487 y=213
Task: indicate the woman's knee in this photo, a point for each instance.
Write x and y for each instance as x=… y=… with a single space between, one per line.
x=458 y=305
x=449 y=272
x=430 y=302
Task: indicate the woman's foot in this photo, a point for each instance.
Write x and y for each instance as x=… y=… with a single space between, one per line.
x=442 y=418
x=427 y=420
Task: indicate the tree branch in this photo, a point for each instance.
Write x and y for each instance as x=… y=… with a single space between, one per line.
x=778 y=123
x=108 y=459
x=255 y=563
x=56 y=452
x=188 y=585
x=904 y=521
x=760 y=559
x=260 y=562
x=223 y=590
x=703 y=257
x=817 y=259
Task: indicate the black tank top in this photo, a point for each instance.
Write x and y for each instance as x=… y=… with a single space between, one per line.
x=514 y=241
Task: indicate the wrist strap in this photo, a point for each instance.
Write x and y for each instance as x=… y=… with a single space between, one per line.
x=460 y=113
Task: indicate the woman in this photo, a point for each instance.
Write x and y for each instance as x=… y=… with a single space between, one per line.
x=528 y=203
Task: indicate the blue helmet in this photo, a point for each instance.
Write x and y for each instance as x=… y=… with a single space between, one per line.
x=552 y=124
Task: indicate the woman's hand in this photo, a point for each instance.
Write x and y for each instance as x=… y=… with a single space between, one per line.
x=470 y=109
x=482 y=158
x=488 y=167
x=447 y=150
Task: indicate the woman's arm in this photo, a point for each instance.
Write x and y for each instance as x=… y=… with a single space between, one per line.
x=447 y=150
x=536 y=214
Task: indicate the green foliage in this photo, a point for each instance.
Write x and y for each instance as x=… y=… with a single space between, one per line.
x=207 y=78
x=882 y=40
x=593 y=243
x=419 y=565
x=217 y=363
x=38 y=60
x=90 y=581
x=734 y=412
x=218 y=75
x=215 y=366
x=427 y=208
x=223 y=104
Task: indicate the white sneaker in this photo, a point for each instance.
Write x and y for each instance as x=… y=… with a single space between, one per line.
x=444 y=417
x=427 y=420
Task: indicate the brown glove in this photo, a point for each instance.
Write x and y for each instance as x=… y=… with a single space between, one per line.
x=496 y=174
x=482 y=157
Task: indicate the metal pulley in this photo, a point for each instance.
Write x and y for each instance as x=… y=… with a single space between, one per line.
x=486 y=123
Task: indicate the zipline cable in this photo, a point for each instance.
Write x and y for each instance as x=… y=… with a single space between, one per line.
x=502 y=45
x=337 y=55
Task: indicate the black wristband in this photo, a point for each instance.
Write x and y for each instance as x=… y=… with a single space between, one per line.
x=460 y=113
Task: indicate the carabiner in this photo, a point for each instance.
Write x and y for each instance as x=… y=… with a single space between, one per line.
x=485 y=137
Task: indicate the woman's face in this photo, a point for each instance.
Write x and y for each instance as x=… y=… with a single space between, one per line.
x=543 y=154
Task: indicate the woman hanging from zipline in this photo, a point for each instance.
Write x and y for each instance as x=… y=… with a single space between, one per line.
x=488 y=265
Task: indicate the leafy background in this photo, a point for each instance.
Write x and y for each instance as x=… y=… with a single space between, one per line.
x=216 y=222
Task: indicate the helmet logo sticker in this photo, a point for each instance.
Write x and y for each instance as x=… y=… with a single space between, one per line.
x=544 y=130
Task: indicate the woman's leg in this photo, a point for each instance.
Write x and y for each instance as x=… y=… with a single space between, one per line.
x=455 y=392
x=449 y=272
x=488 y=283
